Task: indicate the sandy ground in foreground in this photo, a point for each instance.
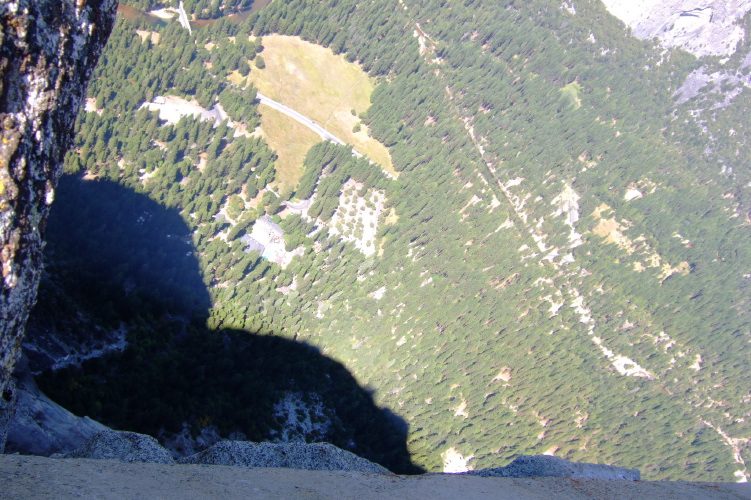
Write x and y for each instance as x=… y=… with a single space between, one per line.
x=24 y=477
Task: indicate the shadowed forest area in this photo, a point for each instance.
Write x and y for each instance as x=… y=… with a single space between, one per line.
x=125 y=261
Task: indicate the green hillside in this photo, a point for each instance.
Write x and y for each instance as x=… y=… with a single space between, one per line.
x=562 y=265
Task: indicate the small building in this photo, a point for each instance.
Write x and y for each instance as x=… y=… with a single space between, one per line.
x=252 y=244
x=268 y=236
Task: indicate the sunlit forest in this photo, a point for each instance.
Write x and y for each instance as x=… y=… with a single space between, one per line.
x=561 y=266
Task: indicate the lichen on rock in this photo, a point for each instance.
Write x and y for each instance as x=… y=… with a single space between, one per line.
x=48 y=49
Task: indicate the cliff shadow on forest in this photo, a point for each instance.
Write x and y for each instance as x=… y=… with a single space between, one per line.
x=117 y=259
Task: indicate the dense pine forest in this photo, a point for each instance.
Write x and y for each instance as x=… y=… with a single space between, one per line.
x=561 y=266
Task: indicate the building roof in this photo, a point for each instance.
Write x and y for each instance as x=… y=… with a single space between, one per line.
x=252 y=244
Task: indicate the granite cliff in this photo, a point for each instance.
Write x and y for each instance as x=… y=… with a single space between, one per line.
x=702 y=27
x=48 y=49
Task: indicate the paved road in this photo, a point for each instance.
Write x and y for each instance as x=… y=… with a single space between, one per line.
x=325 y=134
x=302 y=205
x=183 y=18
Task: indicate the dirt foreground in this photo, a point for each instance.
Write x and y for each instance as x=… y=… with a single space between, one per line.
x=26 y=477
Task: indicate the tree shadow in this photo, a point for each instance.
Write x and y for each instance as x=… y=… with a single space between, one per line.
x=118 y=259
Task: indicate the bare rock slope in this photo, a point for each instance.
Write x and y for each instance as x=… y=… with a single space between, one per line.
x=548 y=466
x=316 y=456
x=41 y=426
x=702 y=27
x=48 y=49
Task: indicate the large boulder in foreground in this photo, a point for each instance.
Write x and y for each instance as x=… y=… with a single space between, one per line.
x=41 y=426
x=123 y=446
x=546 y=466
x=316 y=456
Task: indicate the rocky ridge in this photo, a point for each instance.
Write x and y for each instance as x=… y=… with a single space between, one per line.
x=122 y=446
x=315 y=456
x=702 y=27
x=131 y=447
x=48 y=49
x=41 y=426
x=549 y=466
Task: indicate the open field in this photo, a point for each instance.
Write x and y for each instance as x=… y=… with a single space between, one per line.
x=322 y=86
x=290 y=139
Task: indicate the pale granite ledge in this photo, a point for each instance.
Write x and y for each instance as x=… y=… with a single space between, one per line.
x=27 y=477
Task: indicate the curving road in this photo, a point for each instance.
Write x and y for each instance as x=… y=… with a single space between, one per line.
x=325 y=134
x=301 y=206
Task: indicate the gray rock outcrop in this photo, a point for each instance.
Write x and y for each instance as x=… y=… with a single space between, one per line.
x=702 y=27
x=48 y=49
x=123 y=446
x=547 y=466
x=8 y=400
x=317 y=456
x=186 y=442
x=41 y=426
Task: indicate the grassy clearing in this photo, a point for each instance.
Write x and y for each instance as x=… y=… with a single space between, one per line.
x=573 y=90
x=290 y=139
x=322 y=86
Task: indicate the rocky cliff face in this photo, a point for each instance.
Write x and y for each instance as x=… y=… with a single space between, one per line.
x=48 y=49
x=42 y=427
x=702 y=27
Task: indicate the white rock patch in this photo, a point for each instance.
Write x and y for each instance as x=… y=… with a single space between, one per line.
x=632 y=194
x=296 y=415
x=702 y=27
x=454 y=462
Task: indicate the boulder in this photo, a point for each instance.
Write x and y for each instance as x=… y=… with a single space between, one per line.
x=123 y=446
x=547 y=466
x=41 y=426
x=316 y=456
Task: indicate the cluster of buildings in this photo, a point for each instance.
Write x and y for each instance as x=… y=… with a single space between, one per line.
x=268 y=238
